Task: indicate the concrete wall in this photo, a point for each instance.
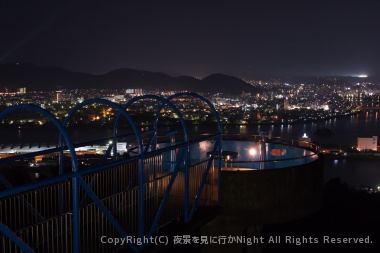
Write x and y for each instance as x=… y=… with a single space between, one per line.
x=256 y=197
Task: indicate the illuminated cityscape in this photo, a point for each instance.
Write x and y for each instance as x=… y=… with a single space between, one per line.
x=276 y=103
x=189 y=126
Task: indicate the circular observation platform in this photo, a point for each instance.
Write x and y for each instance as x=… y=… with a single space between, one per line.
x=263 y=182
x=270 y=182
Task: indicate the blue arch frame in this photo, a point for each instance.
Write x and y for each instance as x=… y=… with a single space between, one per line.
x=51 y=117
x=121 y=110
x=74 y=163
x=139 y=140
x=191 y=94
x=163 y=103
x=76 y=176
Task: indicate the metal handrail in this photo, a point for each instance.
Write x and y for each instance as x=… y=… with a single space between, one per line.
x=274 y=160
x=76 y=184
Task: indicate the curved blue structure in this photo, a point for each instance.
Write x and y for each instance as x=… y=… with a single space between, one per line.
x=74 y=161
x=219 y=139
x=121 y=110
x=164 y=102
x=140 y=147
x=152 y=143
x=69 y=197
x=191 y=94
x=81 y=208
x=51 y=117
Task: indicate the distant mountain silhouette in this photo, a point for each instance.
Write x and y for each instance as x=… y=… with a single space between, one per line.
x=226 y=83
x=37 y=78
x=13 y=76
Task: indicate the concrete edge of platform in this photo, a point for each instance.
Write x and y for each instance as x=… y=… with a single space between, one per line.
x=203 y=216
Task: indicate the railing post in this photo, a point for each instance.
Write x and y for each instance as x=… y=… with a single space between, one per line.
x=75 y=221
x=219 y=167
x=204 y=178
x=141 y=197
x=61 y=170
x=171 y=135
x=187 y=181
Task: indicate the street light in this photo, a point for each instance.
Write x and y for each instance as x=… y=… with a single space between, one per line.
x=252 y=152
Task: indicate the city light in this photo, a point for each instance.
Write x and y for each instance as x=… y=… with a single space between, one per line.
x=252 y=151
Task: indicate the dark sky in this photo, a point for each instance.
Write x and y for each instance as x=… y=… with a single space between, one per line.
x=198 y=38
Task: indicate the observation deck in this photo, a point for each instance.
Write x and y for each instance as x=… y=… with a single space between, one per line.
x=160 y=177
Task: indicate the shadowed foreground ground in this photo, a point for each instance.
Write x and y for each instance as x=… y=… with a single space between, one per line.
x=346 y=213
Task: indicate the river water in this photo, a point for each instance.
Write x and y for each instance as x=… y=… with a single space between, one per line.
x=345 y=129
x=354 y=172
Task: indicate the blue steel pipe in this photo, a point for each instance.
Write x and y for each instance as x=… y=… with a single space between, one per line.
x=140 y=145
x=66 y=176
x=121 y=110
x=190 y=94
x=14 y=238
x=141 y=171
x=58 y=124
x=174 y=174
x=204 y=178
x=105 y=211
x=76 y=175
x=74 y=162
x=163 y=103
x=58 y=149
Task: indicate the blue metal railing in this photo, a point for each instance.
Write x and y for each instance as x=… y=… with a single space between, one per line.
x=129 y=196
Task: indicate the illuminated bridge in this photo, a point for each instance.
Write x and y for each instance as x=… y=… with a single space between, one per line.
x=163 y=175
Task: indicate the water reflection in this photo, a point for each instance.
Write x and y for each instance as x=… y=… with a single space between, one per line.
x=353 y=172
x=345 y=130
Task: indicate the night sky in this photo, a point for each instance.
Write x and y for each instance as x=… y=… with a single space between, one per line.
x=198 y=38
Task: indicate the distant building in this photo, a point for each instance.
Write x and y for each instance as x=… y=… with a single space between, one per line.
x=367 y=143
x=245 y=94
x=219 y=101
x=58 y=96
x=118 y=98
x=286 y=104
x=137 y=92
x=21 y=90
